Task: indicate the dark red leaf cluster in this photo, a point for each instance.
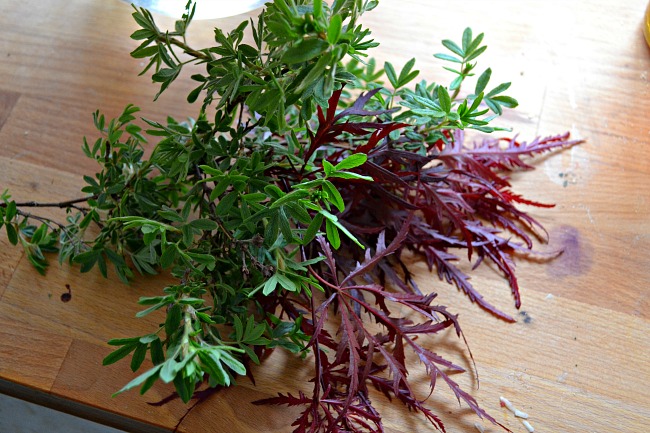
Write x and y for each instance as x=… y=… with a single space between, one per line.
x=451 y=201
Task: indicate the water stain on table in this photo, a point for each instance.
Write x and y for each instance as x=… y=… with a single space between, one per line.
x=576 y=257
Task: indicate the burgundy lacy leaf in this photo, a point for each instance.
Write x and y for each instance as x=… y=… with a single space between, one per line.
x=442 y=203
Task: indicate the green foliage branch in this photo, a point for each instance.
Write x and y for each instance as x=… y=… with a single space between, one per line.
x=274 y=206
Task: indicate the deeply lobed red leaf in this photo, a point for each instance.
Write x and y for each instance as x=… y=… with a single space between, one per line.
x=453 y=198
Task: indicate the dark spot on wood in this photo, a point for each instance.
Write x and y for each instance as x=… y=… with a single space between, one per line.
x=526 y=317
x=576 y=256
x=67 y=297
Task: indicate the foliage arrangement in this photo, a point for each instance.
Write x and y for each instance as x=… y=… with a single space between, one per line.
x=290 y=200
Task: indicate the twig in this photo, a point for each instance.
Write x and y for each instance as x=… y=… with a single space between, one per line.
x=61 y=204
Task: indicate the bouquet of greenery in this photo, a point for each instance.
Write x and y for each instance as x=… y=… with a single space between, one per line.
x=286 y=208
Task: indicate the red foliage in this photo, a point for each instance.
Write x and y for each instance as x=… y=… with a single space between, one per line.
x=454 y=197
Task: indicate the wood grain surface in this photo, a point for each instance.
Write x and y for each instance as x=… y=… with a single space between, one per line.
x=576 y=360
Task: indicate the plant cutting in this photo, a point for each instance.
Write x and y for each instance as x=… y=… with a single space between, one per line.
x=289 y=208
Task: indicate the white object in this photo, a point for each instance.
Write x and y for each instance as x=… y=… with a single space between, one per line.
x=520 y=414
x=479 y=427
x=507 y=404
x=528 y=426
x=205 y=9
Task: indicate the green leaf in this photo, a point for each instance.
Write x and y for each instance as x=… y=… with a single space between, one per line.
x=455 y=84
x=352 y=161
x=467 y=38
x=138 y=356
x=483 y=81
x=286 y=283
x=350 y=175
x=272 y=228
x=133 y=129
x=495 y=107
x=173 y=320
x=101 y=264
x=333 y=195
x=451 y=46
x=313 y=229
x=475 y=54
x=285 y=226
x=226 y=203
x=196 y=302
x=334 y=29
x=220 y=188
x=142 y=34
x=204 y=259
x=444 y=99
x=239 y=328
x=123 y=341
x=205 y=318
x=169 y=370
x=498 y=89
x=332 y=234
x=391 y=75
x=233 y=363
x=12 y=235
x=11 y=211
x=270 y=285
x=248 y=51
x=165 y=74
x=254 y=197
x=293 y=196
x=305 y=51
x=115 y=258
x=475 y=104
x=142 y=52
x=204 y=224
x=298 y=212
x=118 y=354
x=157 y=352
x=316 y=72
x=211 y=170
x=335 y=221
x=318 y=8
x=211 y=360
x=188 y=235
x=406 y=75
x=255 y=332
x=146 y=339
x=148 y=383
x=506 y=101
x=150 y=310
x=328 y=168
x=185 y=387
x=39 y=234
x=168 y=257
x=251 y=354
x=140 y=379
x=194 y=94
x=447 y=57
x=474 y=44
x=170 y=215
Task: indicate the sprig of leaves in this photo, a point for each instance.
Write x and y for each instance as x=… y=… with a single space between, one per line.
x=291 y=202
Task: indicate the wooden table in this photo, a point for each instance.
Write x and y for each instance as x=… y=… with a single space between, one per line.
x=577 y=359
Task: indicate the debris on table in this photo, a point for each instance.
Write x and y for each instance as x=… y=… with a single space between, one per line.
x=523 y=416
